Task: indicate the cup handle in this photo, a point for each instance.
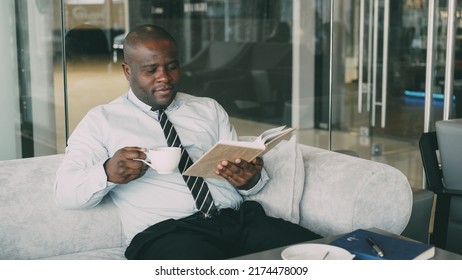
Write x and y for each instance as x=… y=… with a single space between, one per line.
x=146 y=162
x=148 y=156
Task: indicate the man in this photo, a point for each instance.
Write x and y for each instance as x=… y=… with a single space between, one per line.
x=158 y=211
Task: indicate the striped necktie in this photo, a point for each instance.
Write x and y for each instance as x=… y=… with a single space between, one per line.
x=198 y=187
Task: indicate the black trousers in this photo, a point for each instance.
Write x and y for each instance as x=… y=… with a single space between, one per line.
x=232 y=233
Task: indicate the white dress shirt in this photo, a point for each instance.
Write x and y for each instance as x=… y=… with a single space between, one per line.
x=81 y=179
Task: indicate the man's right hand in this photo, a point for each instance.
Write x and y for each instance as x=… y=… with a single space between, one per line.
x=121 y=168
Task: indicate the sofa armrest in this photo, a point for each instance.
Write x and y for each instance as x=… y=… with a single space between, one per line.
x=418 y=227
x=343 y=193
x=33 y=226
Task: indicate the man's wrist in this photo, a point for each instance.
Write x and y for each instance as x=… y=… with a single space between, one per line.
x=251 y=183
x=105 y=168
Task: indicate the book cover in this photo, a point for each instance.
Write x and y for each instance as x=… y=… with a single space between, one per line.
x=231 y=150
x=393 y=248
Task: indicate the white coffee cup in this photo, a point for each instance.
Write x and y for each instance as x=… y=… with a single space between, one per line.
x=163 y=159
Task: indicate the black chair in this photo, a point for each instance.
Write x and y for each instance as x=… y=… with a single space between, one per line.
x=86 y=42
x=217 y=61
x=441 y=153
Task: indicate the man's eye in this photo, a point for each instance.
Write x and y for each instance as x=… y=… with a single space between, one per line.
x=172 y=66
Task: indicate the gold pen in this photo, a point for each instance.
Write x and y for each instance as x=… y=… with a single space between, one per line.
x=374 y=246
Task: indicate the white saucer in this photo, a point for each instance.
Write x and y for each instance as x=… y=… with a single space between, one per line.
x=315 y=252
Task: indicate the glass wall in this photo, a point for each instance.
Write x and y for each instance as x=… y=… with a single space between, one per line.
x=93 y=70
x=380 y=79
x=268 y=62
x=28 y=107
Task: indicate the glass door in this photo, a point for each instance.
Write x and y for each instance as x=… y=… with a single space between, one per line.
x=381 y=100
x=394 y=85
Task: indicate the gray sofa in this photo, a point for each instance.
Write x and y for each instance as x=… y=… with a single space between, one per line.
x=327 y=192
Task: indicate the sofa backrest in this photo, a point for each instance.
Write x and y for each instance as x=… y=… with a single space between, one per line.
x=449 y=135
x=339 y=193
x=344 y=193
x=33 y=226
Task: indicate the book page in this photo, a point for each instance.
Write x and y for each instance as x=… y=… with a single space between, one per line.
x=269 y=134
x=244 y=144
x=272 y=142
x=206 y=165
x=231 y=150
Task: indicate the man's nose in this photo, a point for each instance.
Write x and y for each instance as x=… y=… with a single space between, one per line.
x=162 y=76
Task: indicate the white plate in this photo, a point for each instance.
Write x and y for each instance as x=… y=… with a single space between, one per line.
x=315 y=252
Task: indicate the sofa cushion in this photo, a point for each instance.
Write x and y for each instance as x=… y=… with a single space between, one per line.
x=282 y=194
x=100 y=254
x=344 y=193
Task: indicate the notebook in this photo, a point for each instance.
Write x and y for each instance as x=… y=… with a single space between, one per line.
x=393 y=248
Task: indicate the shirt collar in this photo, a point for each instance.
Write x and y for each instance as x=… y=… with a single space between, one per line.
x=145 y=107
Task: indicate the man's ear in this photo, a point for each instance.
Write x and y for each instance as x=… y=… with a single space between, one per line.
x=126 y=70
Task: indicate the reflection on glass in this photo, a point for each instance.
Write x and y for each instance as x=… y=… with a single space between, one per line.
x=238 y=52
x=93 y=70
x=266 y=62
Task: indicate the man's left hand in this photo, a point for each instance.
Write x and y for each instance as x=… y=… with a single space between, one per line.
x=240 y=173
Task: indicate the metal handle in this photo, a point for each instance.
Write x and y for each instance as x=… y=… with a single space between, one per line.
x=374 y=62
x=386 y=25
x=450 y=52
x=361 y=54
x=429 y=72
x=365 y=87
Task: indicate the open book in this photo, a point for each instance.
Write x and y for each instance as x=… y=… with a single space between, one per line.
x=230 y=150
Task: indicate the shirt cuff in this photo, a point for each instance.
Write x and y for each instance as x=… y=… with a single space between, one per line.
x=98 y=174
x=258 y=186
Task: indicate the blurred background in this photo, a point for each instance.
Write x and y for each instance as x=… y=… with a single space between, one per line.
x=268 y=63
